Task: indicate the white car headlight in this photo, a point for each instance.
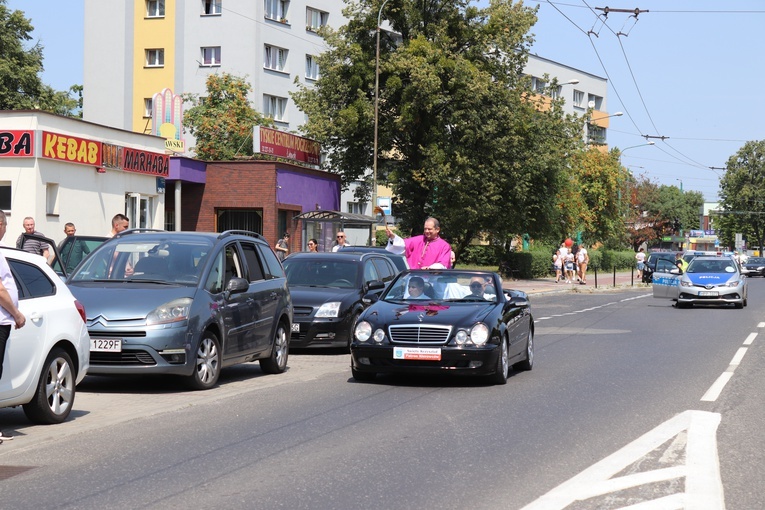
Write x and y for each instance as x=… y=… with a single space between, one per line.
x=461 y=337
x=686 y=283
x=363 y=331
x=733 y=283
x=331 y=309
x=379 y=336
x=174 y=311
x=479 y=334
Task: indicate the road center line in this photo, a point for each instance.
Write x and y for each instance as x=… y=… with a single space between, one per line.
x=713 y=393
x=750 y=339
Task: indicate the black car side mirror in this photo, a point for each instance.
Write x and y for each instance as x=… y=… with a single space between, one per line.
x=237 y=285
x=369 y=299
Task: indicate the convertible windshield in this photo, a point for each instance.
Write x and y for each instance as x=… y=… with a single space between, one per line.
x=453 y=286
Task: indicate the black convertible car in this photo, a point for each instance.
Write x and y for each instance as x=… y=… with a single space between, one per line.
x=444 y=321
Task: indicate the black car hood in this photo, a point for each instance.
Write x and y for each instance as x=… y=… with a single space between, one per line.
x=317 y=296
x=433 y=312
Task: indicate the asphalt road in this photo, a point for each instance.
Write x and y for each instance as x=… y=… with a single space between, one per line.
x=612 y=414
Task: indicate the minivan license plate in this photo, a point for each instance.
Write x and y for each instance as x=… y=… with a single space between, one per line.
x=105 y=345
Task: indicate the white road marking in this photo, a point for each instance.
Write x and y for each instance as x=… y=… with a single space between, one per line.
x=761 y=325
x=738 y=356
x=592 y=308
x=714 y=391
x=700 y=468
x=750 y=339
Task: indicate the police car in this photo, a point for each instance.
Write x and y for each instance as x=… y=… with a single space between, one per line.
x=708 y=280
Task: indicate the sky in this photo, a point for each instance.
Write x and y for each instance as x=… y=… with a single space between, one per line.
x=687 y=70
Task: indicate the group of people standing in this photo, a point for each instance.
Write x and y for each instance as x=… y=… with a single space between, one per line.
x=570 y=263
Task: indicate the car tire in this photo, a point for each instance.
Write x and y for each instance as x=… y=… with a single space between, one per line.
x=276 y=363
x=528 y=363
x=363 y=376
x=503 y=362
x=54 y=397
x=206 y=364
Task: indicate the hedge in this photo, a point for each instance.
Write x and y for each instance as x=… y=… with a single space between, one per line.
x=538 y=263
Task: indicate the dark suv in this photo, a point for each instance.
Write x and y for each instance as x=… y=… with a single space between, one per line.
x=184 y=303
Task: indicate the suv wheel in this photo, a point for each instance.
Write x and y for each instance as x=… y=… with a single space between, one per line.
x=277 y=362
x=207 y=366
x=54 y=396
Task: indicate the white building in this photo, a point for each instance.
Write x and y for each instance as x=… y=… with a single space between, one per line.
x=137 y=48
x=58 y=170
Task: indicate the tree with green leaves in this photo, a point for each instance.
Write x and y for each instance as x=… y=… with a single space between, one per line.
x=742 y=195
x=461 y=136
x=222 y=120
x=21 y=87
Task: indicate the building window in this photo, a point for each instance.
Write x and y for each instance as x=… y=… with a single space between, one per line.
x=538 y=85
x=148 y=107
x=169 y=220
x=155 y=58
x=275 y=58
x=578 y=98
x=275 y=107
x=594 y=101
x=314 y=19
x=5 y=195
x=357 y=207
x=239 y=219
x=596 y=134
x=155 y=8
x=277 y=10
x=211 y=56
x=311 y=67
x=51 y=198
x=211 y=7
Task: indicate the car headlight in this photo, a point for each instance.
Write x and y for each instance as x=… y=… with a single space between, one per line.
x=331 y=309
x=733 y=283
x=174 y=311
x=686 y=283
x=363 y=331
x=379 y=336
x=461 y=337
x=479 y=334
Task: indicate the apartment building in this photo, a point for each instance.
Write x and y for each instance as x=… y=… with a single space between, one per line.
x=137 y=48
x=580 y=90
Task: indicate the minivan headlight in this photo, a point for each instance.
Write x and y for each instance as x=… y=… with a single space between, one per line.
x=174 y=311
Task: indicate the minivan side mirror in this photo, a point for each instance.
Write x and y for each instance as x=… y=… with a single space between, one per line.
x=237 y=285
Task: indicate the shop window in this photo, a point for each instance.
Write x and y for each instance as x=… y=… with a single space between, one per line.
x=51 y=198
x=5 y=196
x=169 y=220
x=239 y=219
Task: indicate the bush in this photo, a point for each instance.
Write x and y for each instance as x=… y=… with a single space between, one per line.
x=611 y=259
x=536 y=263
x=479 y=255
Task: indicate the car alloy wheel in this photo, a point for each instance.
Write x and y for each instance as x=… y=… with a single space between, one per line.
x=54 y=397
x=277 y=362
x=503 y=364
x=528 y=363
x=207 y=366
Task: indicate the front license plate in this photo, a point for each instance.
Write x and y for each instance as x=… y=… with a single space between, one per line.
x=707 y=293
x=296 y=327
x=417 y=353
x=105 y=345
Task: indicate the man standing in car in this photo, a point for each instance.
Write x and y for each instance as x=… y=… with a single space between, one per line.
x=426 y=251
x=9 y=302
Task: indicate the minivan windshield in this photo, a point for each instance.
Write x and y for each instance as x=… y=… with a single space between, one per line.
x=146 y=259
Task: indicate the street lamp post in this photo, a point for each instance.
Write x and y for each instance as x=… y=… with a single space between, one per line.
x=632 y=147
x=377 y=99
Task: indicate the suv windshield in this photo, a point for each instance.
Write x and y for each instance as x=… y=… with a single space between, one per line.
x=137 y=259
x=321 y=273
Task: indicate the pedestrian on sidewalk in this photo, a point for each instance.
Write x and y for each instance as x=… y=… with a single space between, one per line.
x=568 y=262
x=557 y=265
x=582 y=259
x=640 y=257
x=10 y=316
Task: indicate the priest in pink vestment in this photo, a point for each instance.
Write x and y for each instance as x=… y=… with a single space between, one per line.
x=426 y=251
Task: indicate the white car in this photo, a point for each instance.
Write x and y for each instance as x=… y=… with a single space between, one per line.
x=49 y=356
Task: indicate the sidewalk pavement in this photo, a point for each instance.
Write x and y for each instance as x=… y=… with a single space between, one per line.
x=604 y=281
